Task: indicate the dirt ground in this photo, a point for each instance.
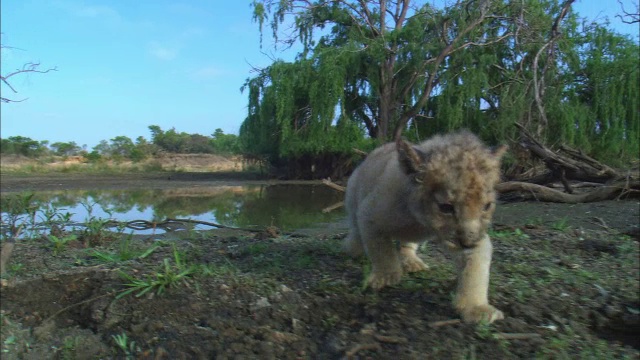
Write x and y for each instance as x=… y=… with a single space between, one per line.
x=152 y=180
x=566 y=276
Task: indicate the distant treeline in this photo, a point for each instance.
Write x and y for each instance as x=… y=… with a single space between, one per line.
x=123 y=147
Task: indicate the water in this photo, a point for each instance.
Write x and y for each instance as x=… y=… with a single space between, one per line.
x=285 y=206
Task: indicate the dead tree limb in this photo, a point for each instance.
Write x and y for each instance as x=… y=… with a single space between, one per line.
x=333 y=185
x=26 y=68
x=543 y=193
x=629 y=17
x=573 y=166
x=538 y=84
x=565 y=165
x=329 y=209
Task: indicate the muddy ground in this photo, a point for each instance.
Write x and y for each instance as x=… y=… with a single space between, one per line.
x=566 y=276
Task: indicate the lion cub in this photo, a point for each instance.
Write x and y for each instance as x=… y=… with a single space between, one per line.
x=441 y=189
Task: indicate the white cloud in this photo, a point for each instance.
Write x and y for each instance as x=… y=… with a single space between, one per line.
x=192 y=32
x=188 y=10
x=103 y=14
x=95 y=11
x=208 y=72
x=162 y=52
x=89 y=11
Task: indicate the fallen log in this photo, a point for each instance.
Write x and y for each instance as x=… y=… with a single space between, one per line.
x=575 y=165
x=333 y=185
x=544 y=193
x=329 y=209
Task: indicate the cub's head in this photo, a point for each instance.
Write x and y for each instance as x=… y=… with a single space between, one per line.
x=452 y=185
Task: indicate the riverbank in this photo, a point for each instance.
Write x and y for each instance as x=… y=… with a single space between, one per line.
x=566 y=277
x=16 y=182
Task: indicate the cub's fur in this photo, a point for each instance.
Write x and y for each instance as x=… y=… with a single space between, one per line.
x=442 y=189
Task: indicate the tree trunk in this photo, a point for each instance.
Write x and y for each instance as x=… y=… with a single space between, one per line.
x=385 y=102
x=543 y=193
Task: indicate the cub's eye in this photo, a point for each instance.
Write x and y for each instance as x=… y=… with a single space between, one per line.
x=487 y=207
x=446 y=208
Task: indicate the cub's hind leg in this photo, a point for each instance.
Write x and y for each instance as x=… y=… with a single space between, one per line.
x=386 y=268
x=352 y=244
x=410 y=260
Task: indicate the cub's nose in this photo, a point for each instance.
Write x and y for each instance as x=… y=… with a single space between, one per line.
x=467 y=239
x=466 y=244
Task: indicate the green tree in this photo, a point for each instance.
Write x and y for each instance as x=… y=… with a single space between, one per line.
x=170 y=141
x=601 y=96
x=379 y=61
x=103 y=148
x=142 y=149
x=224 y=143
x=197 y=144
x=66 y=148
x=419 y=69
x=121 y=146
x=21 y=145
x=180 y=142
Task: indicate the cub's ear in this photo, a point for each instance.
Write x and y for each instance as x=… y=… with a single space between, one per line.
x=499 y=151
x=410 y=158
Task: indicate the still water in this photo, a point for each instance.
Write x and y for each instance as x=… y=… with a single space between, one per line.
x=285 y=206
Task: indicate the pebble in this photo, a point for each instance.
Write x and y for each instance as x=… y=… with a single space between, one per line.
x=261 y=303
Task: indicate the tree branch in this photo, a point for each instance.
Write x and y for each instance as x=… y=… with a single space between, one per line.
x=627 y=17
x=538 y=89
x=26 y=68
x=484 y=6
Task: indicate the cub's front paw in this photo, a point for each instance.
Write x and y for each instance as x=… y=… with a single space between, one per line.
x=378 y=280
x=413 y=264
x=480 y=313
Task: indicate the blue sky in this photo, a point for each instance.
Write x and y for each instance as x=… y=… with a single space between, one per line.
x=125 y=65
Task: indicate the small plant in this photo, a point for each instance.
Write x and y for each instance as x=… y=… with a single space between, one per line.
x=366 y=271
x=53 y=217
x=169 y=276
x=94 y=232
x=122 y=341
x=59 y=243
x=10 y=341
x=537 y=221
x=505 y=234
x=304 y=261
x=520 y=234
x=124 y=252
x=215 y=270
x=69 y=347
x=485 y=331
x=331 y=321
x=257 y=249
x=16 y=268
x=561 y=224
x=18 y=212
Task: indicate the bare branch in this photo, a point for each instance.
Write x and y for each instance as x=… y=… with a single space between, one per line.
x=26 y=68
x=367 y=15
x=627 y=17
x=484 y=7
x=538 y=89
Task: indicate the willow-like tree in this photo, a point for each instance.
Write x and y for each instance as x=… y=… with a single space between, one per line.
x=388 y=67
x=381 y=59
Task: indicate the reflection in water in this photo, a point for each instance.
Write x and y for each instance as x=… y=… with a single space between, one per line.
x=285 y=206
